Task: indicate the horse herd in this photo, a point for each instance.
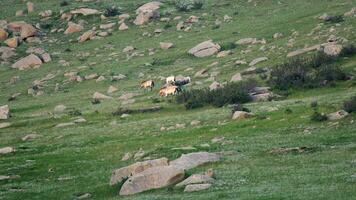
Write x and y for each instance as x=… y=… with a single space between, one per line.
x=172 y=87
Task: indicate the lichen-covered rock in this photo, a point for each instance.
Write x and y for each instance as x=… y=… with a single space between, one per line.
x=191 y=160
x=28 y=62
x=3 y=34
x=125 y=172
x=238 y=115
x=204 y=49
x=87 y=36
x=73 y=28
x=337 y=115
x=197 y=187
x=152 y=178
x=333 y=49
x=4 y=112
x=6 y=150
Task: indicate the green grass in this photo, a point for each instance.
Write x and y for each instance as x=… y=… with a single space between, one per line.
x=87 y=153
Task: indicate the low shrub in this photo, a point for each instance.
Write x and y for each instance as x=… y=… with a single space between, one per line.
x=187 y=5
x=238 y=107
x=318 y=117
x=350 y=105
x=288 y=111
x=112 y=11
x=335 y=19
x=198 y=4
x=183 y=5
x=228 y=46
x=121 y=111
x=348 y=50
x=233 y=93
x=306 y=72
x=314 y=104
x=63 y=3
x=95 y=101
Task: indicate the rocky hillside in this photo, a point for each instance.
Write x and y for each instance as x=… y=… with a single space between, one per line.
x=177 y=99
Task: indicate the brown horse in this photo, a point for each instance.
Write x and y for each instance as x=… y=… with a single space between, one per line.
x=147 y=84
x=169 y=90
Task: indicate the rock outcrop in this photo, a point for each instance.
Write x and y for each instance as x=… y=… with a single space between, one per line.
x=204 y=49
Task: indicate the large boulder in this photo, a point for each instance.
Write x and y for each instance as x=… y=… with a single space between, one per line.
x=241 y=115
x=28 y=62
x=144 y=17
x=6 y=150
x=333 y=49
x=3 y=34
x=30 y=7
x=196 y=179
x=73 y=28
x=12 y=42
x=107 y=26
x=85 y=11
x=155 y=5
x=146 y=12
x=337 y=115
x=123 y=27
x=247 y=41
x=191 y=160
x=197 y=187
x=87 y=36
x=153 y=178
x=257 y=60
x=6 y=53
x=166 y=45
x=215 y=85
x=121 y=174
x=100 y=96
x=16 y=26
x=237 y=77
x=351 y=13
x=27 y=30
x=4 y=112
x=204 y=49
x=303 y=51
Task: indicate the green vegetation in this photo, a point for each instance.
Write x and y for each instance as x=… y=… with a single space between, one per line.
x=232 y=93
x=306 y=72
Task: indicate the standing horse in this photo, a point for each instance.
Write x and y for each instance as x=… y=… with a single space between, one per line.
x=147 y=84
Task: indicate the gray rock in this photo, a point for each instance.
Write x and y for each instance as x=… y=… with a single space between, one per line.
x=191 y=160
x=153 y=178
x=337 y=115
x=31 y=137
x=119 y=175
x=196 y=179
x=4 y=112
x=6 y=150
x=241 y=115
x=197 y=187
x=257 y=60
x=204 y=49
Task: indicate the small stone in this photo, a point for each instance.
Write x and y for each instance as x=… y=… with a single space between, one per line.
x=197 y=187
x=127 y=156
x=123 y=27
x=238 y=115
x=31 y=137
x=6 y=150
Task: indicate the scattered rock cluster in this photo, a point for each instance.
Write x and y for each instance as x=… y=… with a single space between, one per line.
x=159 y=173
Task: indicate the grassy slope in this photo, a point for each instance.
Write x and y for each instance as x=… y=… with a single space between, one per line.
x=88 y=153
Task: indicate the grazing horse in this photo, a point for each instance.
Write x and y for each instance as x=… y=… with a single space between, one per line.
x=147 y=84
x=170 y=80
x=169 y=90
